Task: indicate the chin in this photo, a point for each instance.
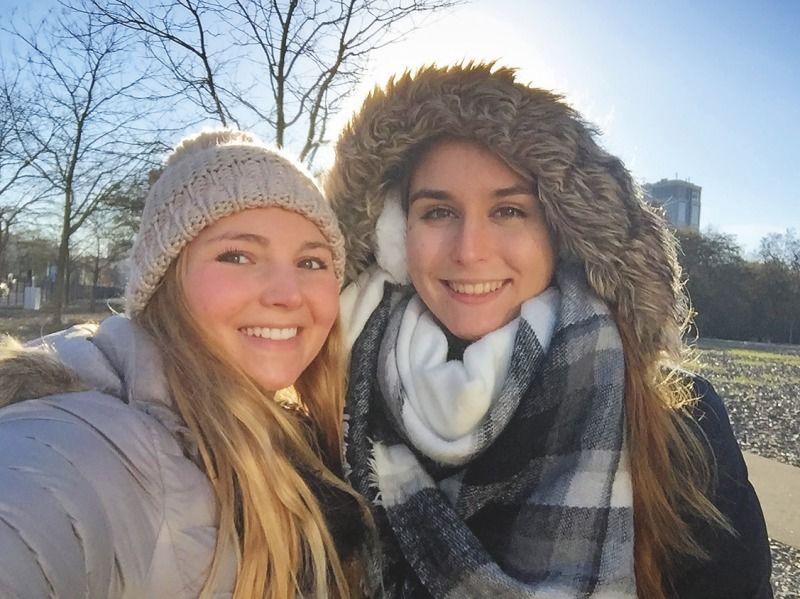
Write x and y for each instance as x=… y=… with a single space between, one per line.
x=275 y=383
x=469 y=334
x=475 y=328
x=473 y=336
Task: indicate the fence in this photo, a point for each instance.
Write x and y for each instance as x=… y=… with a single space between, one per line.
x=13 y=296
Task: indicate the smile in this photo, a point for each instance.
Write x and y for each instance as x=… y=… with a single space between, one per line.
x=475 y=288
x=267 y=333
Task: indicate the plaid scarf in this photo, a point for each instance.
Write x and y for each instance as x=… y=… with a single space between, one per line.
x=539 y=504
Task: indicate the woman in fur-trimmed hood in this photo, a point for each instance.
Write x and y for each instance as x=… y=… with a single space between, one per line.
x=515 y=409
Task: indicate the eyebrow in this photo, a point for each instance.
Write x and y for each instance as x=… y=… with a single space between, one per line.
x=434 y=194
x=233 y=236
x=264 y=241
x=521 y=189
x=441 y=194
x=316 y=245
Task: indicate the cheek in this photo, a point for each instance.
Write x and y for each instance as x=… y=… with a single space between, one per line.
x=325 y=304
x=210 y=294
x=536 y=257
x=421 y=252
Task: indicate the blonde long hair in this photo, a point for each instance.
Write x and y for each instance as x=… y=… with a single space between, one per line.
x=259 y=456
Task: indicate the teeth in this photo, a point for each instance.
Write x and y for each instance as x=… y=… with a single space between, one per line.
x=475 y=288
x=275 y=334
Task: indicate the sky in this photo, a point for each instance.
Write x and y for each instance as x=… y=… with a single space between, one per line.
x=708 y=91
x=703 y=90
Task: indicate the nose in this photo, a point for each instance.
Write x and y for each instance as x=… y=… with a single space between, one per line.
x=281 y=287
x=472 y=242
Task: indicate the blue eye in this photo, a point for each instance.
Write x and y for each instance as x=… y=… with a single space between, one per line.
x=313 y=264
x=234 y=257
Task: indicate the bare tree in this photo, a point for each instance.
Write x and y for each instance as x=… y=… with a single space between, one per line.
x=783 y=248
x=288 y=65
x=13 y=161
x=316 y=53
x=99 y=251
x=18 y=191
x=12 y=214
x=111 y=229
x=780 y=257
x=85 y=128
x=182 y=37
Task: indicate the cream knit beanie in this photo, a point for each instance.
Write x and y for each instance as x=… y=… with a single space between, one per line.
x=210 y=176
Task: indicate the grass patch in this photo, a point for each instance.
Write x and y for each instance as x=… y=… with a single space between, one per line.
x=759 y=357
x=26 y=325
x=746 y=367
x=744 y=380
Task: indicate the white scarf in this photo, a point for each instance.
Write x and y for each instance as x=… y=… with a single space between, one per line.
x=445 y=402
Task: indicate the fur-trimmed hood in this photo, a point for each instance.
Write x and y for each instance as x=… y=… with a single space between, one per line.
x=594 y=209
x=115 y=357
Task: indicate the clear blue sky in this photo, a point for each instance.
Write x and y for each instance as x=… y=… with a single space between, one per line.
x=708 y=90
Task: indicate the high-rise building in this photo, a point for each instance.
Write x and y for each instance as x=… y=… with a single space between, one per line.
x=680 y=200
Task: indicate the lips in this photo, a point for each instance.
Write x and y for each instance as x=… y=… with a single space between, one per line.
x=475 y=288
x=275 y=334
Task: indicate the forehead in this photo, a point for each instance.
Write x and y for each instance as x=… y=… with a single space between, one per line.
x=454 y=169
x=270 y=229
x=266 y=222
x=451 y=161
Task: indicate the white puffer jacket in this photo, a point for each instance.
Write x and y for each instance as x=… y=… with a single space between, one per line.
x=98 y=498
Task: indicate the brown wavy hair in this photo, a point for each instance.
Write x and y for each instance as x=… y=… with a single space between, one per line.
x=598 y=218
x=672 y=470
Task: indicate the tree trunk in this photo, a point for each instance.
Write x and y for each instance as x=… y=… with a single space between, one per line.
x=95 y=278
x=62 y=264
x=4 y=231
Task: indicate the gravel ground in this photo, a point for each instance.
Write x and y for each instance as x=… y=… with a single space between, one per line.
x=760 y=385
x=761 y=390
x=785 y=571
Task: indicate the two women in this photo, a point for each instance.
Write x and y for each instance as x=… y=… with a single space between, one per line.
x=160 y=454
x=516 y=409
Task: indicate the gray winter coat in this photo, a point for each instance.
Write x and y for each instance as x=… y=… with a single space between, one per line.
x=98 y=498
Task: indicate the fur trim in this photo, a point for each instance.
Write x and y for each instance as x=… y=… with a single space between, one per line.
x=595 y=211
x=27 y=373
x=390 y=237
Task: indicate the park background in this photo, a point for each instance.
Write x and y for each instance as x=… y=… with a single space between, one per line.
x=92 y=95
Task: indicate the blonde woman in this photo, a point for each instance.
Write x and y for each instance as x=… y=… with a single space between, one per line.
x=516 y=408
x=155 y=455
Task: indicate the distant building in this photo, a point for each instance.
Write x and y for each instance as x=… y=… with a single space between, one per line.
x=680 y=200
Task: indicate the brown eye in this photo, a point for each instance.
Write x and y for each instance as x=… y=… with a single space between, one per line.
x=509 y=212
x=313 y=264
x=438 y=213
x=234 y=257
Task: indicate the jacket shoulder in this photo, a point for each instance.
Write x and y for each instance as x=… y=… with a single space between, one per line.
x=90 y=486
x=739 y=565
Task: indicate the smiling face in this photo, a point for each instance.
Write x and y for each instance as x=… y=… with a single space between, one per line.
x=477 y=242
x=261 y=284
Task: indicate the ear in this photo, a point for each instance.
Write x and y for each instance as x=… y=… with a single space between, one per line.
x=390 y=237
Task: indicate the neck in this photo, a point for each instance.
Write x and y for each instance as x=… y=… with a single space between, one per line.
x=455 y=346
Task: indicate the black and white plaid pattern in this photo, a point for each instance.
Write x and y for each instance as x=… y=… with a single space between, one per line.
x=545 y=509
